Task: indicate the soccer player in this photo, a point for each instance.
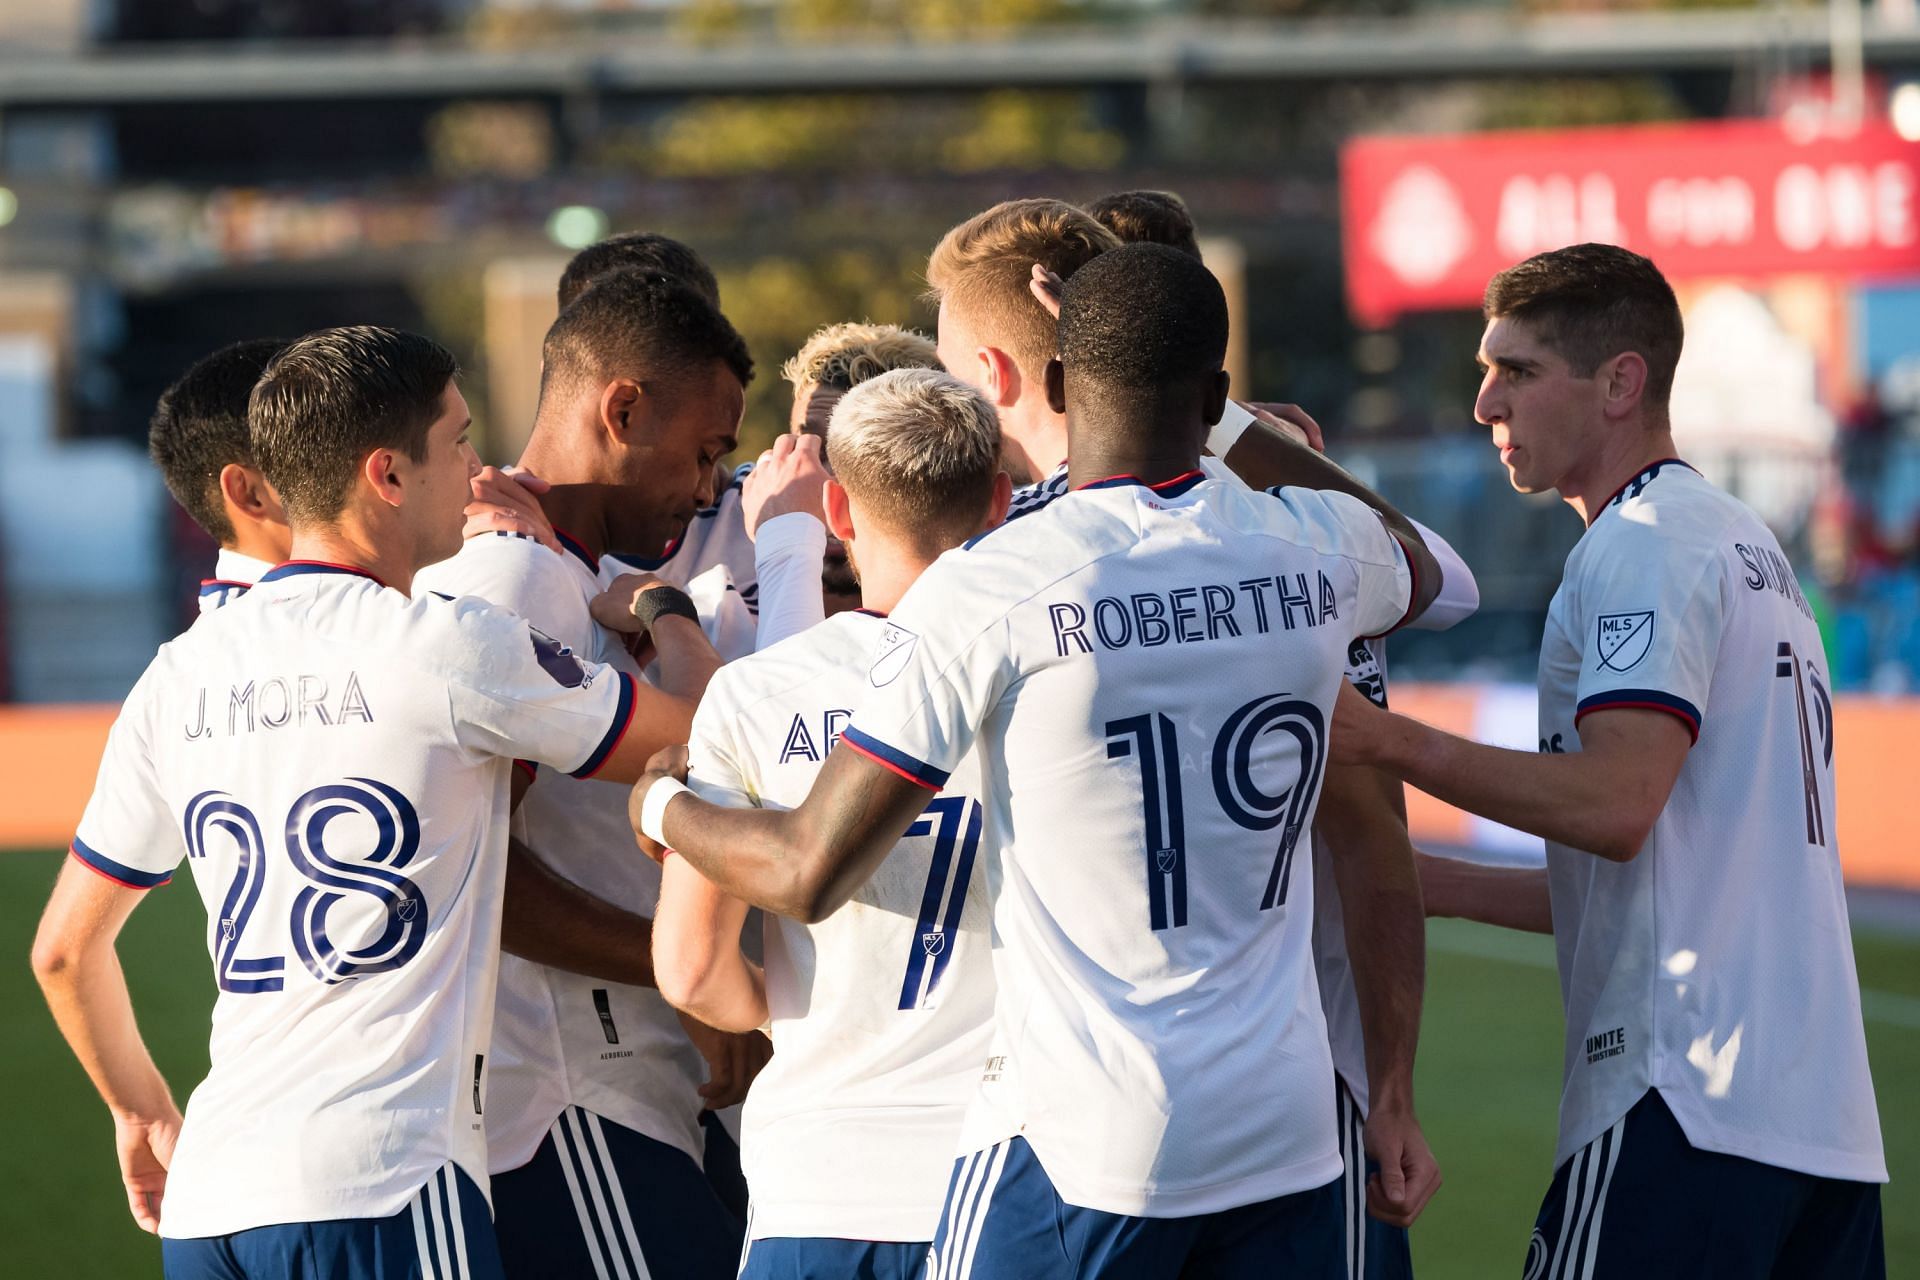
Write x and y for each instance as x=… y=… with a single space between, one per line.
x=645 y=252
x=881 y=1012
x=594 y=1132
x=331 y=758
x=1717 y=1114
x=803 y=573
x=198 y=439
x=1156 y=1099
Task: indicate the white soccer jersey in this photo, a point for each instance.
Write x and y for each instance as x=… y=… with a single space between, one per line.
x=332 y=760
x=1158 y=1036
x=1717 y=966
x=880 y=1013
x=233 y=574
x=563 y=1039
x=716 y=535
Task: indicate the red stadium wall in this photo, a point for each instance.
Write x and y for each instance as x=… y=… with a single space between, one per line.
x=49 y=756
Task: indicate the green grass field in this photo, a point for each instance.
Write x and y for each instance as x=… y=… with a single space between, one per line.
x=1488 y=1086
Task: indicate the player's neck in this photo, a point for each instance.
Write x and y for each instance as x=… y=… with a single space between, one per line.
x=1590 y=489
x=351 y=544
x=580 y=509
x=256 y=543
x=1040 y=435
x=1100 y=454
x=885 y=575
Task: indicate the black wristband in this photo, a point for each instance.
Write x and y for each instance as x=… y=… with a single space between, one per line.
x=664 y=602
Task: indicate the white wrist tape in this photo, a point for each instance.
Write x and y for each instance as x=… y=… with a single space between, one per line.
x=653 y=810
x=1233 y=423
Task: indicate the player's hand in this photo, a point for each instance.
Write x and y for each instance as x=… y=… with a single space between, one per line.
x=733 y=1060
x=1357 y=727
x=788 y=477
x=146 y=1149
x=1290 y=420
x=1408 y=1174
x=1046 y=286
x=670 y=762
x=505 y=500
x=613 y=608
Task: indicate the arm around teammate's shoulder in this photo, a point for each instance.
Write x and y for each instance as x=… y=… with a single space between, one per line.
x=1604 y=798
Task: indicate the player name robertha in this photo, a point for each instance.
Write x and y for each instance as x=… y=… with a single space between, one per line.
x=1194 y=615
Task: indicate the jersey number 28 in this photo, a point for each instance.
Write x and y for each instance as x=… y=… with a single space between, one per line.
x=329 y=878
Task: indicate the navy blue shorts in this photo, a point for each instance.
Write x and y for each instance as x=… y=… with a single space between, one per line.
x=723 y=1165
x=819 y=1258
x=599 y=1199
x=444 y=1233
x=1003 y=1220
x=1374 y=1250
x=1641 y=1203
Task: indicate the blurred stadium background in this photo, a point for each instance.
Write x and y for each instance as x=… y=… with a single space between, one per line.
x=179 y=174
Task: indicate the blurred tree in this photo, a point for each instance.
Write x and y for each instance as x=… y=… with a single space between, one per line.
x=490 y=139
x=778 y=301
x=1556 y=104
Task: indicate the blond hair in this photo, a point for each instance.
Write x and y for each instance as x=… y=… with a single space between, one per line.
x=983 y=266
x=919 y=449
x=843 y=356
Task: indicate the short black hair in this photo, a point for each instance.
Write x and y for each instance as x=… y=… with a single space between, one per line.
x=646 y=252
x=1147 y=217
x=1589 y=303
x=335 y=396
x=641 y=326
x=199 y=426
x=1142 y=317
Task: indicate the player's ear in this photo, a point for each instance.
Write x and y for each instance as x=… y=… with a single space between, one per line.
x=1216 y=401
x=246 y=494
x=1000 y=375
x=622 y=406
x=1625 y=381
x=839 y=510
x=997 y=501
x=380 y=469
x=1056 y=385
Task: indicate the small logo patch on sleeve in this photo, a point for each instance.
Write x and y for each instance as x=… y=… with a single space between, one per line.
x=557 y=660
x=896 y=648
x=1624 y=640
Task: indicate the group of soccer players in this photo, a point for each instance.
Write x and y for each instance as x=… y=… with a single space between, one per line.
x=1038 y=799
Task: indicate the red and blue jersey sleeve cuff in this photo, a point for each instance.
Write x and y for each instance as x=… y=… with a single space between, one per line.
x=118 y=872
x=622 y=718
x=894 y=760
x=528 y=767
x=1644 y=700
x=1413 y=589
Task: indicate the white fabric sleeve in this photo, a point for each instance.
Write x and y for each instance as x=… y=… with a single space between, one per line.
x=127 y=833
x=1459 y=596
x=717 y=771
x=1234 y=421
x=514 y=691
x=1649 y=626
x=788 y=552
x=942 y=665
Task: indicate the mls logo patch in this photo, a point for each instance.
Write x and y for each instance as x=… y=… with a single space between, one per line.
x=1623 y=639
x=896 y=646
x=1166 y=860
x=933 y=943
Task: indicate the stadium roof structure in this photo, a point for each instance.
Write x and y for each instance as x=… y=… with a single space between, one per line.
x=1158 y=53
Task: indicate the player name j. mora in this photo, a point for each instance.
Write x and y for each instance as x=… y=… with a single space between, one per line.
x=278 y=701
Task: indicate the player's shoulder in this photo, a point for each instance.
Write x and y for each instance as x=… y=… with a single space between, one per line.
x=1668 y=516
x=1325 y=521
x=840 y=645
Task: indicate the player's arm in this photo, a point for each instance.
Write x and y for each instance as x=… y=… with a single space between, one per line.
x=800 y=863
x=663 y=714
x=1363 y=821
x=1266 y=457
x=1507 y=897
x=550 y=920
x=79 y=972
x=781 y=505
x=696 y=941
x=1603 y=798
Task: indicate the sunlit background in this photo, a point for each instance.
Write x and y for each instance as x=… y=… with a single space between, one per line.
x=180 y=174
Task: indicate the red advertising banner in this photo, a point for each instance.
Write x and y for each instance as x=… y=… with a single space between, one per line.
x=1427 y=220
